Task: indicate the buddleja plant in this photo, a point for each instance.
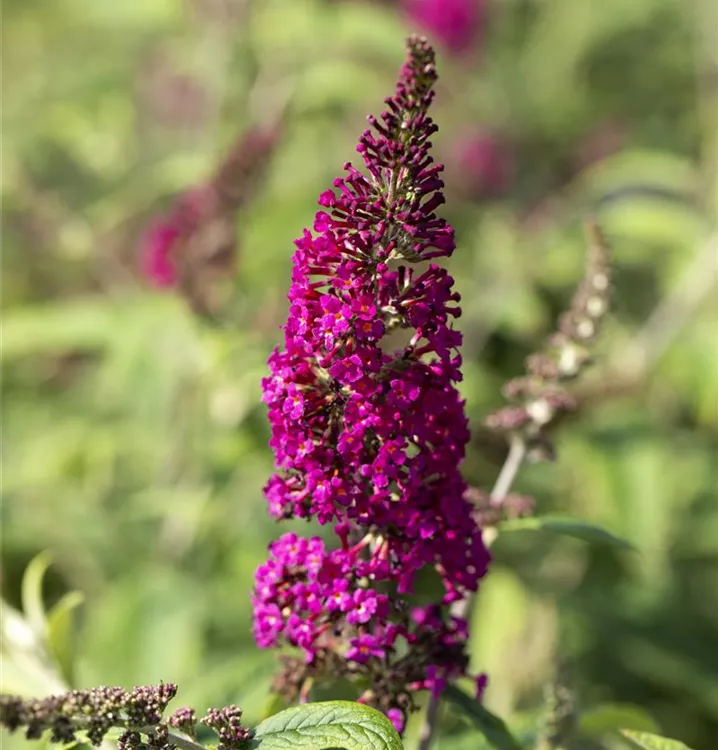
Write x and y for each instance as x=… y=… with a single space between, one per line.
x=369 y=432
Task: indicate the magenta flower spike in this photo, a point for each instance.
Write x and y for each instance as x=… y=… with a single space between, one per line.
x=457 y=24
x=368 y=428
x=161 y=240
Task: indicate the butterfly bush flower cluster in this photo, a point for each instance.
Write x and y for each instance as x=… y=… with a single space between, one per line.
x=484 y=165
x=198 y=232
x=164 y=235
x=368 y=428
x=458 y=24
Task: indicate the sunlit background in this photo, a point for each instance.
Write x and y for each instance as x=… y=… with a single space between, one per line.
x=134 y=442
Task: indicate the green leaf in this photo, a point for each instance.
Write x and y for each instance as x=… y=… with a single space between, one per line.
x=60 y=635
x=568 y=527
x=665 y=665
x=26 y=667
x=333 y=725
x=82 y=325
x=653 y=741
x=33 y=605
x=490 y=725
x=612 y=717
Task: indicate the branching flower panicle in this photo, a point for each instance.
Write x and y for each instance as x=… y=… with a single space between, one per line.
x=540 y=396
x=368 y=428
x=139 y=713
x=91 y=712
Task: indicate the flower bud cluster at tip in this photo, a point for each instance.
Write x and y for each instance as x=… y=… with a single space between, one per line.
x=368 y=428
x=184 y=719
x=540 y=395
x=91 y=714
x=227 y=725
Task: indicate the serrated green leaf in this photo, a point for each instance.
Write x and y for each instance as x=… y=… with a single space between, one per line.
x=653 y=741
x=332 y=725
x=567 y=526
x=612 y=717
x=33 y=605
x=60 y=621
x=490 y=725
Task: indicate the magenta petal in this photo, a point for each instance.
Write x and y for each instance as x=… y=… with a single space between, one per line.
x=156 y=250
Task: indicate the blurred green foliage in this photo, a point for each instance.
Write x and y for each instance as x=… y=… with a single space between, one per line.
x=134 y=442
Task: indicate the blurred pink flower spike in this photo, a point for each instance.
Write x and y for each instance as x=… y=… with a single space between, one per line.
x=486 y=164
x=159 y=250
x=157 y=265
x=458 y=25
